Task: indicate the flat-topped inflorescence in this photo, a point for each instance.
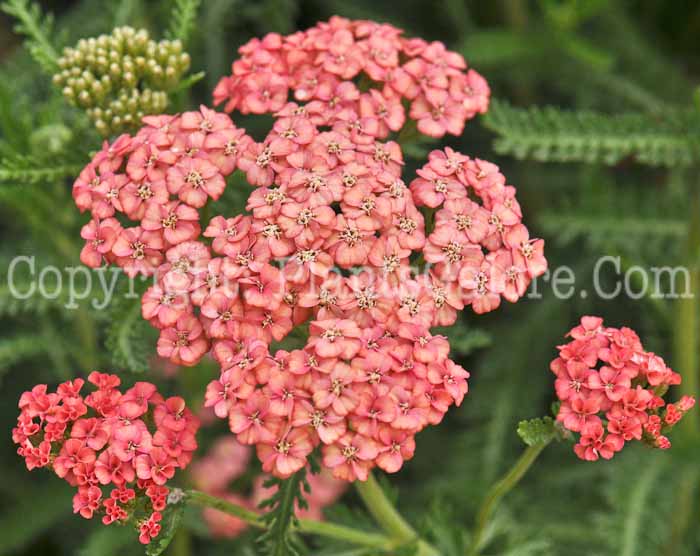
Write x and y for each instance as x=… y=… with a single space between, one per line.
x=119 y=449
x=611 y=390
x=334 y=239
x=359 y=74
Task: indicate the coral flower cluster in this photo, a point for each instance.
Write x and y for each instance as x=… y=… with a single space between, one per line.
x=118 y=449
x=334 y=239
x=330 y=66
x=227 y=461
x=611 y=390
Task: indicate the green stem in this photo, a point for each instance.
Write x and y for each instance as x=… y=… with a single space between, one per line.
x=388 y=518
x=341 y=532
x=205 y=500
x=308 y=526
x=181 y=543
x=383 y=510
x=686 y=361
x=500 y=489
x=687 y=325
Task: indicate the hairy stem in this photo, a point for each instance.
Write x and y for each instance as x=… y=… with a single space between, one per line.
x=499 y=489
x=388 y=518
x=308 y=526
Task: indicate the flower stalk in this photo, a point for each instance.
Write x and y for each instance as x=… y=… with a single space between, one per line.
x=388 y=518
x=307 y=526
x=687 y=324
x=383 y=511
x=500 y=489
x=398 y=531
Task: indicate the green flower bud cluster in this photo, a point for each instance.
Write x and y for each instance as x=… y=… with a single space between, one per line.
x=120 y=78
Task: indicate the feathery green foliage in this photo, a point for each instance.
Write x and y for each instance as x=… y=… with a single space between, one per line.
x=130 y=339
x=37 y=30
x=25 y=169
x=606 y=214
x=554 y=135
x=182 y=19
x=279 y=539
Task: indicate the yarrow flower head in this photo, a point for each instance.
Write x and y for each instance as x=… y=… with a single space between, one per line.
x=119 y=449
x=322 y=66
x=611 y=390
x=332 y=239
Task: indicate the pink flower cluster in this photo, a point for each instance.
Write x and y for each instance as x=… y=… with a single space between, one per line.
x=159 y=178
x=611 y=390
x=319 y=65
x=101 y=444
x=480 y=252
x=362 y=393
x=226 y=461
x=333 y=237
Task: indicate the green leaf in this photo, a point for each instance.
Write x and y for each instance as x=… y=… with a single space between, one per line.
x=189 y=81
x=278 y=539
x=172 y=516
x=36 y=28
x=536 y=431
x=22 y=169
x=129 y=337
x=182 y=19
x=551 y=134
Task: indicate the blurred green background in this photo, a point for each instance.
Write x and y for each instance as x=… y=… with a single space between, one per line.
x=590 y=185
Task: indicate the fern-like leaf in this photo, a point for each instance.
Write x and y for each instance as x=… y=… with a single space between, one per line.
x=22 y=169
x=618 y=220
x=280 y=518
x=129 y=337
x=551 y=134
x=182 y=19
x=37 y=30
